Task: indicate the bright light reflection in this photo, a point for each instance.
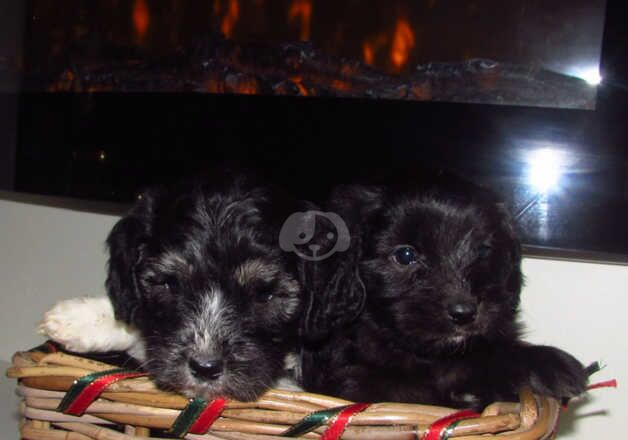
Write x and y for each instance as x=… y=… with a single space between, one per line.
x=590 y=74
x=544 y=169
x=593 y=77
x=543 y=218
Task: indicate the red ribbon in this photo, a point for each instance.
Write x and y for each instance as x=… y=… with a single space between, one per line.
x=51 y=347
x=343 y=418
x=209 y=415
x=439 y=427
x=94 y=389
x=606 y=384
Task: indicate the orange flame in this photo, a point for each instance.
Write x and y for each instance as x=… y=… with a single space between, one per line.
x=402 y=43
x=371 y=47
x=301 y=10
x=368 y=53
x=141 y=19
x=231 y=18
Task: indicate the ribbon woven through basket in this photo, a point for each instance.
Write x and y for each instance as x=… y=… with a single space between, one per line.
x=198 y=416
x=442 y=428
x=88 y=388
x=339 y=417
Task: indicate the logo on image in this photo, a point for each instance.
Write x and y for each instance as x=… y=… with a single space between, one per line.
x=314 y=235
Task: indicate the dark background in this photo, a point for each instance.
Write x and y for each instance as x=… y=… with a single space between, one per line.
x=11 y=24
x=109 y=146
x=560 y=35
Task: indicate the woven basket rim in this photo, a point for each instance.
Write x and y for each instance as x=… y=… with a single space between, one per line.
x=44 y=379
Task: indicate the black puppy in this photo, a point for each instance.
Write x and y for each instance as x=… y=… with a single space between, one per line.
x=197 y=269
x=423 y=306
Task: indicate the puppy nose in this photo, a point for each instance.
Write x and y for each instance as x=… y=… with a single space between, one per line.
x=462 y=313
x=206 y=369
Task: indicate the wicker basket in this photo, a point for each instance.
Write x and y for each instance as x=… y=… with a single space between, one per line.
x=134 y=408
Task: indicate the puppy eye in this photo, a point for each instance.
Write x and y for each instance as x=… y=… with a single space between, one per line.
x=263 y=296
x=166 y=284
x=484 y=251
x=405 y=256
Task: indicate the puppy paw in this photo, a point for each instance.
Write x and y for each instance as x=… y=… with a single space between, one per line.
x=556 y=373
x=87 y=325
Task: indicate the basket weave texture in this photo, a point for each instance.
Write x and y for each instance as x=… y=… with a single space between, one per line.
x=134 y=408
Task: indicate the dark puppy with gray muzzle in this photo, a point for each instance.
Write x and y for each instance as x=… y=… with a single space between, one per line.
x=423 y=306
x=196 y=273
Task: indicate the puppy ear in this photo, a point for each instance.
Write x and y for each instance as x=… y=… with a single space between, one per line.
x=125 y=242
x=337 y=294
x=511 y=240
x=339 y=303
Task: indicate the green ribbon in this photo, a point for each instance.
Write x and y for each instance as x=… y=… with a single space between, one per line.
x=593 y=368
x=188 y=416
x=312 y=421
x=81 y=383
x=450 y=430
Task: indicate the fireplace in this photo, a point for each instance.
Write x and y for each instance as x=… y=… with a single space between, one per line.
x=117 y=95
x=519 y=53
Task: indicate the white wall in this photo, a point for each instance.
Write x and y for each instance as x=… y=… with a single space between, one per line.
x=580 y=307
x=47 y=254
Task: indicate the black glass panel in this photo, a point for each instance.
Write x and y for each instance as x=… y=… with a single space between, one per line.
x=563 y=173
x=517 y=52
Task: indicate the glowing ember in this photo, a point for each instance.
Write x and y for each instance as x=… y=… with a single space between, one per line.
x=367 y=53
x=231 y=18
x=373 y=46
x=402 y=43
x=141 y=19
x=301 y=10
x=342 y=86
x=297 y=80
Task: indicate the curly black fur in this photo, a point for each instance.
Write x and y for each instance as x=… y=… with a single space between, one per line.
x=197 y=269
x=442 y=329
